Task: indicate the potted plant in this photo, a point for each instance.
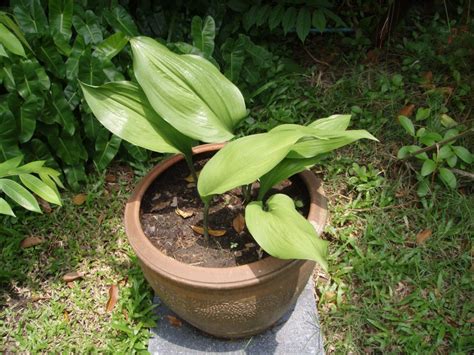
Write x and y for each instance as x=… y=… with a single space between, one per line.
x=178 y=101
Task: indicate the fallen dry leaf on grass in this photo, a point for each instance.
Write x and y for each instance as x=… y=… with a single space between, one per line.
x=407 y=111
x=110 y=178
x=423 y=236
x=183 y=214
x=239 y=223
x=175 y=322
x=45 y=206
x=71 y=276
x=66 y=316
x=79 y=199
x=113 y=298
x=212 y=232
x=31 y=241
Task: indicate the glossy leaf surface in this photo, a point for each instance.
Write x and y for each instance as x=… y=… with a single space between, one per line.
x=282 y=232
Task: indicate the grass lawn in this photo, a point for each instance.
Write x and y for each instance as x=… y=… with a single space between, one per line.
x=400 y=277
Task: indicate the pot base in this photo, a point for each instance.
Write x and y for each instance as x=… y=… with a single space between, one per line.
x=296 y=333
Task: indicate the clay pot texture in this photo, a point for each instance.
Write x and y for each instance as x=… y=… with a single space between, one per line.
x=231 y=302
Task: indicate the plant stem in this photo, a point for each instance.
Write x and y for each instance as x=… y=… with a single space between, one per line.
x=439 y=144
x=189 y=162
x=205 y=220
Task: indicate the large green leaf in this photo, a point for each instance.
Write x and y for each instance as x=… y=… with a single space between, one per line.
x=233 y=52
x=88 y=28
x=59 y=110
x=8 y=136
x=26 y=78
x=91 y=69
x=244 y=160
x=111 y=46
x=10 y=164
x=311 y=147
x=106 y=151
x=187 y=91
x=69 y=149
x=303 y=23
x=10 y=42
x=123 y=109
x=31 y=17
x=29 y=111
x=13 y=26
x=19 y=194
x=75 y=175
x=332 y=123
x=60 y=20
x=50 y=56
x=282 y=232
x=40 y=188
x=203 y=34
x=120 y=20
x=276 y=16
x=285 y=169
x=289 y=19
x=5 y=208
x=72 y=63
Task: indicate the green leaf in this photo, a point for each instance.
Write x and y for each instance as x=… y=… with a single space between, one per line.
x=447 y=121
x=244 y=160
x=69 y=149
x=88 y=29
x=120 y=20
x=445 y=152
x=59 y=110
x=423 y=188
x=91 y=69
x=428 y=167
x=203 y=35
x=407 y=124
x=303 y=23
x=262 y=15
x=430 y=138
x=422 y=114
x=285 y=169
x=40 y=188
x=75 y=175
x=452 y=160
x=10 y=164
x=60 y=18
x=463 y=153
x=319 y=20
x=136 y=153
x=448 y=177
x=282 y=232
x=249 y=18
x=233 y=52
x=313 y=146
x=187 y=91
x=29 y=112
x=10 y=42
x=13 y=27
x=289 y=19
x=31 y=17
x=19 y=194
x=111 y=46
x=123 y=109
x=72 y=63
x=26 y=78
x=8 y=136
x=409 y=149
x=276 y=15
x=5 y=208
x=332 y=123
x=106 y=152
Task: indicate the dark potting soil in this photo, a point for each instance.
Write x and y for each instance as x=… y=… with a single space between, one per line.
x=173 y=235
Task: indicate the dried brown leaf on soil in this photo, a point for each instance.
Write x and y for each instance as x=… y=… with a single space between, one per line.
x=175 y=322
x=407 y=110
x=71 y=276
x=159 y=206
x=45 y=206
x=423 y=236
x=184 y=214
x=31 y=241
x=239 y=223
x=110 y=178
x=113 y=298
x=212 y=232
x=79 y=199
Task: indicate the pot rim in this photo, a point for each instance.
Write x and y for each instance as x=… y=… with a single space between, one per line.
x=217 y=278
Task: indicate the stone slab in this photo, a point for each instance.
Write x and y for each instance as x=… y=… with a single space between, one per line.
x=298 y=332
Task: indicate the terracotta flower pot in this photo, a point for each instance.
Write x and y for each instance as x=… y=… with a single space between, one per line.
x=228 y=302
